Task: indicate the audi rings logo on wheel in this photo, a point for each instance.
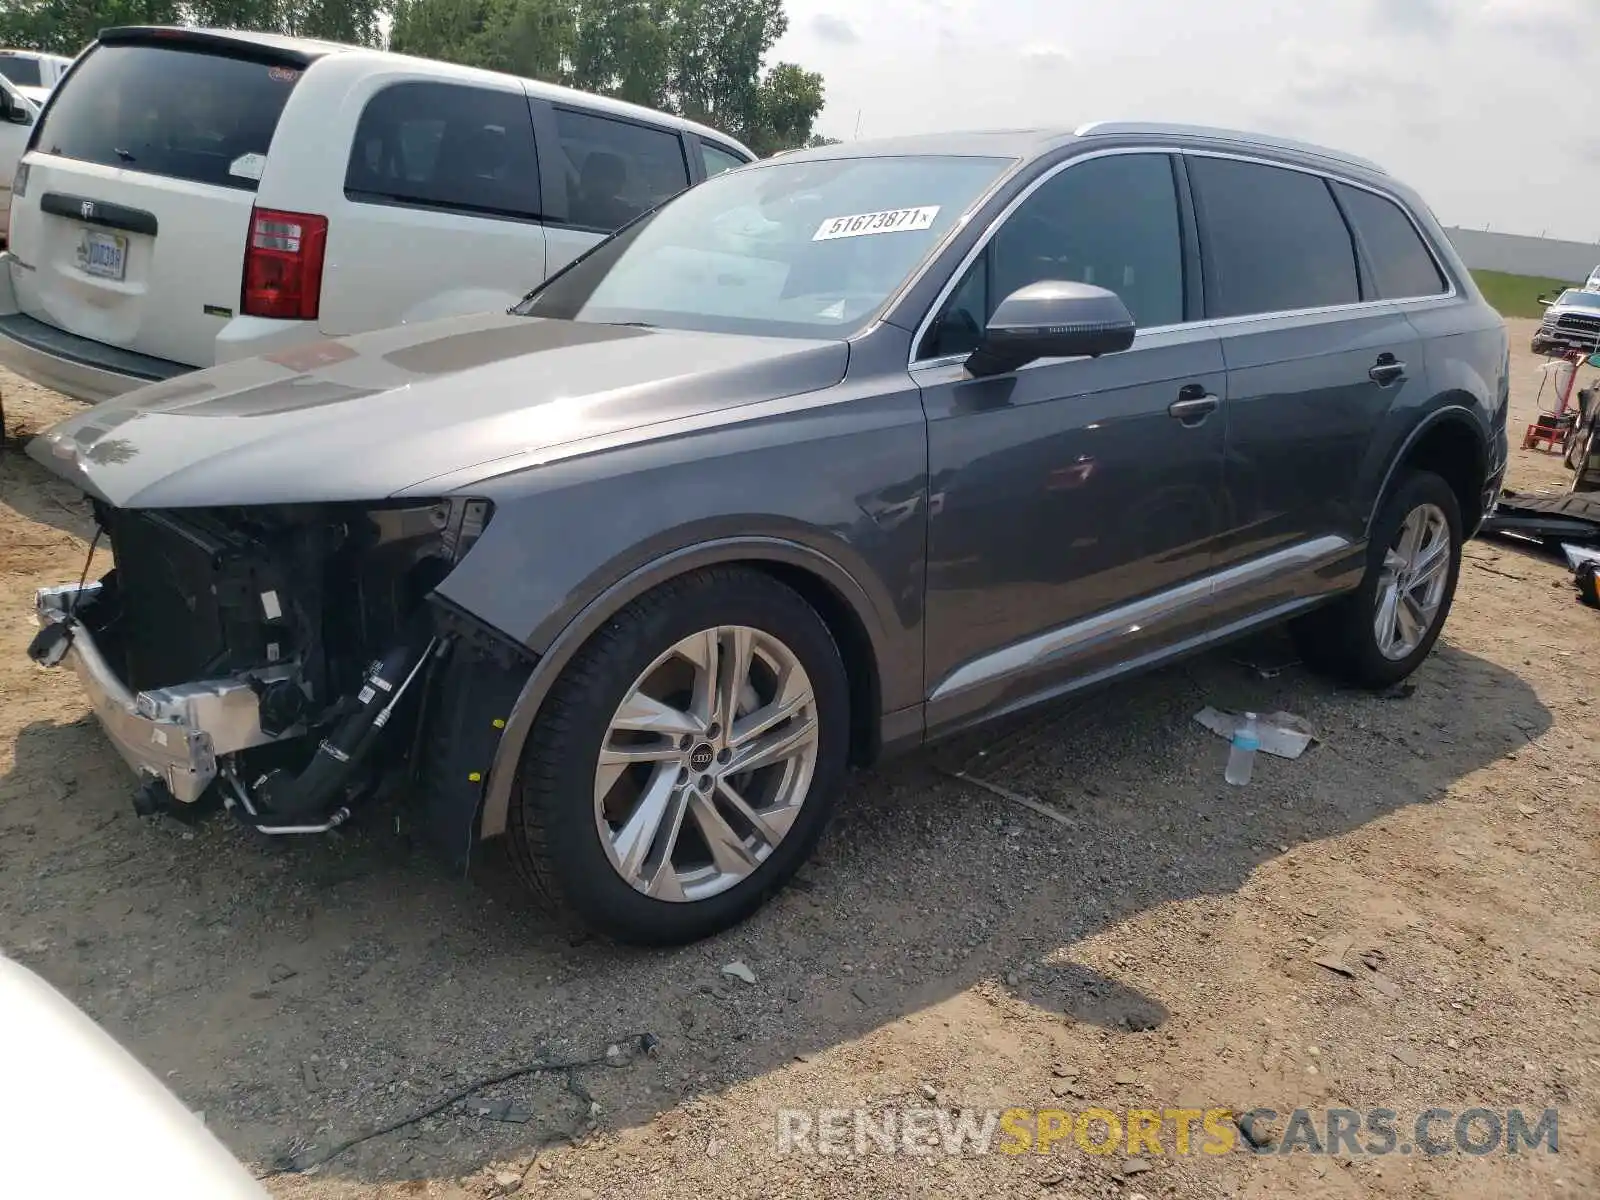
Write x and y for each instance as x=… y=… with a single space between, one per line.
x=701 y=756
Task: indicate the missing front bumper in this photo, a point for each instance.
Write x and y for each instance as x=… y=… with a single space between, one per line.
x=173 y=734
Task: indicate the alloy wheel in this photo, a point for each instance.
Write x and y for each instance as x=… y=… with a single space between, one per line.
x=706 y=763
x=1416 y=569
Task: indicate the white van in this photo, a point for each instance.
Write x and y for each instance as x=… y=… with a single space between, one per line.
x=33 y=68
x=17 y=115
x=193 y=196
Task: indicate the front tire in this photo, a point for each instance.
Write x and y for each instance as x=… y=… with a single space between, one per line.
x=686 y=761
x=1380 y=633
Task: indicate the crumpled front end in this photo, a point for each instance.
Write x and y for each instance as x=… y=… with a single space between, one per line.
x=273 y=658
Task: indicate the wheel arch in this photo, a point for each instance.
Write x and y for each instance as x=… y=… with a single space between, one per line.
x=833 y=592
x=1450 y=442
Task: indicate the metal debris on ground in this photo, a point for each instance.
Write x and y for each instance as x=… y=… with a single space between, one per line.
x=1282 y=734
x=739 y=971
x=504 y=1110
x=1333 y=955
x=1005 y=793
x=1568 y=517
x=1585 y=564
x=1267 y=670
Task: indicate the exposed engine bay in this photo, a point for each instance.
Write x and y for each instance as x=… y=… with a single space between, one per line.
x=278 y=659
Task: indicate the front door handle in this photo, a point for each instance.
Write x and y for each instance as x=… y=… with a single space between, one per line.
x=1193 y=405
x=1386 y=370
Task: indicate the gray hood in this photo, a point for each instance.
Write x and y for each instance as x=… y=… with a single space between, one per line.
x=369 y=416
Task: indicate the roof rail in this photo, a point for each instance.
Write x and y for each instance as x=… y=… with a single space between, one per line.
x=1159 y=128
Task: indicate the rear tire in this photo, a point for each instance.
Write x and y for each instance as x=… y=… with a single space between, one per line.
x=1380 y=633
x=660 y=808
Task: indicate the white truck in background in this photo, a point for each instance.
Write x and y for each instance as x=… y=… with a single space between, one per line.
x=17 y=115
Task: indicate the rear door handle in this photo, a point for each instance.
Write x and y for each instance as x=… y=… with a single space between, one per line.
x=1193 y=405
x=1386 y=370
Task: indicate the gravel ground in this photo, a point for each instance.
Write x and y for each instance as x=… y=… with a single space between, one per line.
x=1155 y=949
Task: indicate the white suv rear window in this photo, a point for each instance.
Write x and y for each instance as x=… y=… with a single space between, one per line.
x=21 y=71
x=185 y=114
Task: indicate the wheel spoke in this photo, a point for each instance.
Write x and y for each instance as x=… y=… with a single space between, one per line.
x=1384 y=622
x=771 y=825
x=646 y=714
x=633 y=841
x=789 y=701
x=659 y=876
x=704 y=651
x=1411 y=535
x=1432 y=562
x=1409 y=623
x=729 y=854
x=783 y=743
x=733 y=671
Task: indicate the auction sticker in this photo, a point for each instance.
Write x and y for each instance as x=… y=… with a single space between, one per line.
x=893 y=220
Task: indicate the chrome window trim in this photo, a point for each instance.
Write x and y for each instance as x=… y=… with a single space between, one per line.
x=1264 y=141
x=1103 y=627
x=913 y=363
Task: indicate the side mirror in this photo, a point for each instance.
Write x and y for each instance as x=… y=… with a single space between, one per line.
x=15 y=111
x=1052 y=319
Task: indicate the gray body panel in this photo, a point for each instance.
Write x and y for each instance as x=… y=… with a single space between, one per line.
x=993 y=541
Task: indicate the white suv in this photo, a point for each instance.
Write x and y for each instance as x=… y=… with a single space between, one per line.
x=192 y=196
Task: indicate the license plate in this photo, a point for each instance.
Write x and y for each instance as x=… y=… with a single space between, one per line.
x=103 y=254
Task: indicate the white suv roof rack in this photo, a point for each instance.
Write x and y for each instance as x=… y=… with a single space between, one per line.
x=1114 y=128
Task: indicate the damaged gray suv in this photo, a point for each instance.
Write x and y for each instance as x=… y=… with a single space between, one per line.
x=827 y=457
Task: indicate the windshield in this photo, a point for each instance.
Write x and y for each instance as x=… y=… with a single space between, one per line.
x=786 y=249
x=20 y=70
x=1577 y=299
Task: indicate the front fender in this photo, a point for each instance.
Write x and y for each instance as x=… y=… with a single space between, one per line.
x=508 y=753
x=833 y=485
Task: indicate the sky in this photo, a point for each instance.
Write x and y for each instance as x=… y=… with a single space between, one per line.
x=1446 y=94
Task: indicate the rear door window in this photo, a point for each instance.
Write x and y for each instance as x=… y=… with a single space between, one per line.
x=1273 y=240
x=615 y=170
x=160 y=110
x=1402 y=266
x=22 y=71
x=441 y=145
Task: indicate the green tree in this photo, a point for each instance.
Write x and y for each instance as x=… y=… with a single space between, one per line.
x=525 y=37
x=67 y=26
x=702 y=59
x=787 y=104
x=622 y=48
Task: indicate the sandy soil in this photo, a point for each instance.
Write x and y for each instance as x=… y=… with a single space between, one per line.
x=1157 y=950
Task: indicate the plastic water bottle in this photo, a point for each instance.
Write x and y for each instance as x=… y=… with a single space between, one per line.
x=1242 y=753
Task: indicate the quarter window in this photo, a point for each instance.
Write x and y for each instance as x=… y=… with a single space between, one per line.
x=1110 y=221
x=1399 y=260
x=1273 y=239
x=718 y=160
x=616 y=170
x=440 y=145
